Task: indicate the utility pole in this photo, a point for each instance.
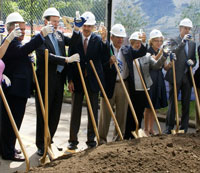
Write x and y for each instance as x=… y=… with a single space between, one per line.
x=1 y=17
x=109 y=16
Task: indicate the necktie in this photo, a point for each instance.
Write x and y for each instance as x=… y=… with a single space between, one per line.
x=186 y=51
x=85 y=44
x=186 y=48
x=57 y=50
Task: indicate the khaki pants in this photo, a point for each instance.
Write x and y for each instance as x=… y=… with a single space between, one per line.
x=121 y=104
x=197 y=116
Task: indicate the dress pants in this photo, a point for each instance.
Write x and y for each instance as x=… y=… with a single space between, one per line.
x=185 y=87
x=139 y=101
x=120 y=104
x=8 y=138
x=77 y=99
x=55 y=105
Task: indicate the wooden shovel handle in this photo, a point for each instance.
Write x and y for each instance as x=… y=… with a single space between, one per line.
x=128 y=98
x=89 y=104
x=107 y=101
x=148 y=97
x=195 y=92
x=12 y=121
x=175 y=96
x=50 y=152
x=46 y=136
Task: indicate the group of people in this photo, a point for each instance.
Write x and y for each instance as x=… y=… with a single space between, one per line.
x=85 y=45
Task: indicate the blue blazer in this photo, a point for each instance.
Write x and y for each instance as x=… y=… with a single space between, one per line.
x=98 y=52
x=18 y=66
x=111 y=73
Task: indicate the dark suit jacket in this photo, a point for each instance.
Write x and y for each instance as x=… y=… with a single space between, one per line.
x=197 y=72
x=182 y=58
x=53 y=61
x=111 y=73
x=18 y=66
x=98 y=52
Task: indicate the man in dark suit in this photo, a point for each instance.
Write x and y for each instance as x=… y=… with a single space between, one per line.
x=18 y=69
x=57 y=69
x=186 y=56
x=90 y=47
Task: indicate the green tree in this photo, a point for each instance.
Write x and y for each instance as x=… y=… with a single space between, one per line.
x=129 y=15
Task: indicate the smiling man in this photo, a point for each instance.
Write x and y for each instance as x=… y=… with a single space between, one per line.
x=57 y=69
x=90 y=47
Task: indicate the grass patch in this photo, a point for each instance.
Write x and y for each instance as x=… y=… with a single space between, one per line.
x=192 y=110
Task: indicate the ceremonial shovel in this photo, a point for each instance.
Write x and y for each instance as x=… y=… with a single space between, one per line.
x=195 y=92
x=148 y=97
x=107 y=101
x=138 y=133
x=47 y=139
x=12 y=121
x=88 y=103
x=51 y=153
x=175 y=101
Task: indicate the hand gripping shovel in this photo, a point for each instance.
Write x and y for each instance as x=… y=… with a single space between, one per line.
x=175 y=101
x=107 y=101
x=195 y=92
x=47 y=140
x=15 y=128
x=88 y=103
x=148 y=97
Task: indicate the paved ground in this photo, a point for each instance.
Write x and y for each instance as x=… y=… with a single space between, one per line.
x=61 y=138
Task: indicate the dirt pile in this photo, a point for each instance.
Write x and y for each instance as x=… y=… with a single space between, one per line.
x=166 y=153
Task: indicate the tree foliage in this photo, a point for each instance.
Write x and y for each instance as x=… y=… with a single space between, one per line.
x=129 y=15
x=33 y=9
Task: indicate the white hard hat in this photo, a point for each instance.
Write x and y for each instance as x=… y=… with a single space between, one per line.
x=186 y=22
x=50 y=12
x=14 y=17
x=135 y=36
x=118 y=30
x=155 y=34
x=89 y=17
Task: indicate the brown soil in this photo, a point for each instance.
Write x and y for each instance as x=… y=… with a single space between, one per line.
x=166 y=153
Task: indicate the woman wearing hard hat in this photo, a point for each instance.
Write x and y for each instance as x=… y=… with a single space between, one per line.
x=157 y=90
x=137 y=93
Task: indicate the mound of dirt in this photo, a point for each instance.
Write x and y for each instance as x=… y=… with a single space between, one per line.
x=166 y=153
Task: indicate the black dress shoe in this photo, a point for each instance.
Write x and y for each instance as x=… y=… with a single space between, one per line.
x=91 y=146
x=167 y=132
x=16 y=158
x=72 y=146
x=40 y=152
x=18 y=151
